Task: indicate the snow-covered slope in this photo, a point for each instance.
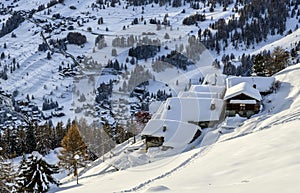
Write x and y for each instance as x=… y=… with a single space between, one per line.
x=287 y=42
x=262 y=155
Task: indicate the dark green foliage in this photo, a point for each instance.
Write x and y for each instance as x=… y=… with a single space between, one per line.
x=177 y=59
x=35 y=174
x=144 y=51
x=7 y=176
x=2 y=55
x=43 y=47
x=49 y=104
x=12 y=23
x=100 y=20
x=229 y=69
x=42 y=138
x=30 y=139
x=250 y=28
x=48 y=55
x=193 y=19
x=76 y=38
x=267 y=64
x=176 y=3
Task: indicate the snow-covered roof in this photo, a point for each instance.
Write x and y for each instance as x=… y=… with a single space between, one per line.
x=214 y=79
x=199 y=94
x=177 y=133
x=263 y=84
x=242 y=88
x=242 y=102
x=208 y=88
x=233 y=122
x=192 y=109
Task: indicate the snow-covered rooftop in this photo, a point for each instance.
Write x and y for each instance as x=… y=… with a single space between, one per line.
x=192 y=109
x=208 y=89
x=199 y=95
x=177 y=133
x=263 y=84
x=215 y=79
x=242 y=88
x=242 y=102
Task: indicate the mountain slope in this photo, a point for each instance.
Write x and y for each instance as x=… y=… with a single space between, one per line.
x=262 y=156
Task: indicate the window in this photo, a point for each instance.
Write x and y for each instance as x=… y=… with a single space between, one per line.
x=242 y=107
x=212 y=106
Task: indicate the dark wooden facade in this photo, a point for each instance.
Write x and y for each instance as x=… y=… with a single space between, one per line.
x=243 y=109
x=152 y=141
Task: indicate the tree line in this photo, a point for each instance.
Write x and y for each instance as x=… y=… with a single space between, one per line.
x=16 y=141
x=34 y=174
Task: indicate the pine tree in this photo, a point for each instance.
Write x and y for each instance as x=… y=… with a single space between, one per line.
x=259 y=65
x=30 y=139
x=20 y=179
x=7 y=176
x=20 y=140
x=72 y=144
x=280 y=59
x=35 y=174
x=59 y=134
x=43 y=137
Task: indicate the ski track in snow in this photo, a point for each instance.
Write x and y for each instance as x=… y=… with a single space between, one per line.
x=284 y=119
x=203 y=151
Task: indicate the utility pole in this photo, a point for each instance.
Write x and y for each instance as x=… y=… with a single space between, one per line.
x=76 y=157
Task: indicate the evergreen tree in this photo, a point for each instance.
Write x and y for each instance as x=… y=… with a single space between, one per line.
x=72 y=144
x=280 y=59
x=35 y=174
x=58 y=135
x=259 y=65
x=48 y=55
x=267 y=64
x=7 y=175
x=30 y=139
x=20 y=179
x=20 y=140
x=43 y=137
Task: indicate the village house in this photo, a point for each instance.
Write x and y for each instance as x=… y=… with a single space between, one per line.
x=220 y=90
x=204 y=112
x=170 y=134
x=242 y=99
x=188 y=94
x=265 y=85
x=214 y=79
x=179 y=120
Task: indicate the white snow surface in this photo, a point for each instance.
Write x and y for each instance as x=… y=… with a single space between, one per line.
x=199 y=95
x=242 y=88
x=208 y=89
x=263 y=84
x=261 y=155
x=192 y=109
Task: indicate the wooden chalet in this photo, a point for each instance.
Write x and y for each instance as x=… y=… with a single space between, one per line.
x=265 y=85
x=169 y=134
x=242 y=99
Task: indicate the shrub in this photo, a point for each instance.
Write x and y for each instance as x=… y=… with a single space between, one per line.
x=76 y=38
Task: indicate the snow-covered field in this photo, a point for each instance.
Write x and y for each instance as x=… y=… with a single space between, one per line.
x=262 y=155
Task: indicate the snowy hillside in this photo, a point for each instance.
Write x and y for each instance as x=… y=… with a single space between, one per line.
x=113 y=65
x=259 y=156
